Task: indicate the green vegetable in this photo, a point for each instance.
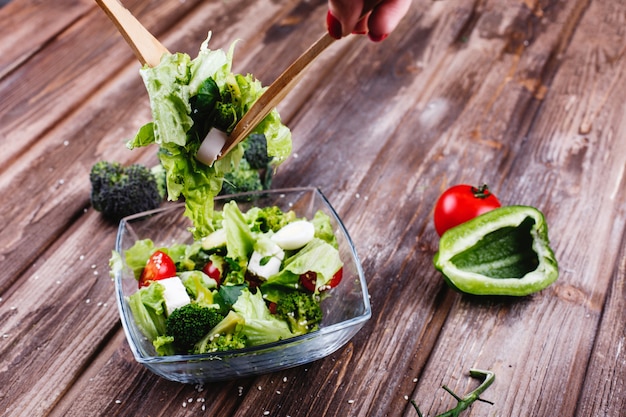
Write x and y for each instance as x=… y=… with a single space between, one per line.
x=260 y=325
x=465 y=402
x=148 y=308
x=200 y=286
x=301 y=311
x=188 y=324
x=255 y=151
x=188 y=98
x=254 y=171
x=316 y=256
x=241 y=180
x=272 y=218
x=237 y=295
x=118 y=191
x=505 y=251
x=224 y=336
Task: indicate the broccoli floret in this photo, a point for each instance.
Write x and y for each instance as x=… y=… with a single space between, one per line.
x=301 y=311
x=242 y=179
x=255 y=151
x=264 y=219
x=190 y=323
x=222 y=343
x=255 y=170
x=224 y=336
x=118 y=191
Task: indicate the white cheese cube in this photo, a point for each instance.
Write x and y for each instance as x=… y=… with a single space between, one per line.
x=264 y=265
x=211 y=147
x=175 y=294
x=294 y=235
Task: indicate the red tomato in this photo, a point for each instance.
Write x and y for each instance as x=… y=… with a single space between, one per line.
x=461 y=203
x=309 y=280
x=159 y=266
x=272 y=307
x=336 y=279
x=213 y=272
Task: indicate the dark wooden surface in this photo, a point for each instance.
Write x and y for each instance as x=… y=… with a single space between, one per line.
x=524 y=95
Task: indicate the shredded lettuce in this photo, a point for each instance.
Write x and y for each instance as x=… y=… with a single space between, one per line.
x=170 y=86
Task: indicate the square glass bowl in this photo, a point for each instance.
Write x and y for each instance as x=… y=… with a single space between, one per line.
x=345 y=309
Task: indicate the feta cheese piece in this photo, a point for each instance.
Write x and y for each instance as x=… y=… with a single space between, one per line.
x=175 y=294
x=264 y=265
x=211 y=147
x=294 y=235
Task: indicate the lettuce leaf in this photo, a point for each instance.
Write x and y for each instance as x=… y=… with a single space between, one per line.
x=170 y=87
x=148 y=308
x=260 y=325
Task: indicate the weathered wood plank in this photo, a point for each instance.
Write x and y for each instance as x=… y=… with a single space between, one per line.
x=17 y=20
x=382 y=130
x=603 y=390
x=54 y=321
x=69 y=68
x=539 y=347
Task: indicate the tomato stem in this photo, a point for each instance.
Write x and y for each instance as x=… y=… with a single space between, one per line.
x=481 y=192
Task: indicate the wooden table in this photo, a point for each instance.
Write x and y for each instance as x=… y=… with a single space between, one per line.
x=526 y=96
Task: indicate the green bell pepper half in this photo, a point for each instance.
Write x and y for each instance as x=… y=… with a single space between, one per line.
x=505 y=251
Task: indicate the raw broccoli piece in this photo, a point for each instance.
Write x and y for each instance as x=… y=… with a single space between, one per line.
x=301 y=311
x=118 y=191
x=189 y=324
x=255 y=151
x=255 y=170
x=223 y=336
x=229 y=341
x=242 y=179
x=264 y=219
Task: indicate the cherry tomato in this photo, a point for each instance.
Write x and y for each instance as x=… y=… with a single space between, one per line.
x=159 y=266
x=212 y=271
x=461 y=203
x=336 y=279
x=272 y=307
x=309 y=280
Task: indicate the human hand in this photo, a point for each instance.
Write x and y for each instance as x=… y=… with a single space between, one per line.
x=345 y=17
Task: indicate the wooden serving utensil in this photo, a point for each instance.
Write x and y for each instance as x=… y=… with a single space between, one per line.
x=146 y=47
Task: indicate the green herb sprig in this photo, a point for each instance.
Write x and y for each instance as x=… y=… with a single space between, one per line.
x=465 y=402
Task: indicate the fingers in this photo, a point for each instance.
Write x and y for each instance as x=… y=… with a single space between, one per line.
x=344 y=17
x=386 y=17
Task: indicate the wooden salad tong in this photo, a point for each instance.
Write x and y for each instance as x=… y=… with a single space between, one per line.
x=149 y=51
x=146 y=47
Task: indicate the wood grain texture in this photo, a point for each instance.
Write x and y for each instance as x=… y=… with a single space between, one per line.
x=523 y=95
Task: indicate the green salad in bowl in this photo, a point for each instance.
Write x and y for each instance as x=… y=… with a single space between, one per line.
x=277 y=283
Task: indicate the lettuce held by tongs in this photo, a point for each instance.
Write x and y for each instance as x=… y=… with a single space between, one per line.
x=173 y=87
